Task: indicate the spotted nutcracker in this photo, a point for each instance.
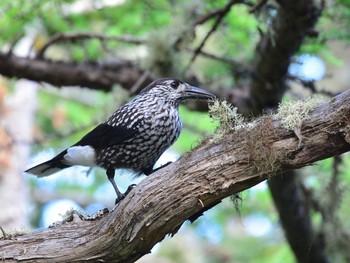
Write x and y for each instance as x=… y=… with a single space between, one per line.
x=134 y=137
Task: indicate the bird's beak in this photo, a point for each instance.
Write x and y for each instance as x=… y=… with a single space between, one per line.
x=192 y=92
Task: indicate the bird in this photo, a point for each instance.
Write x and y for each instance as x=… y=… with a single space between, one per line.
x=133 y=137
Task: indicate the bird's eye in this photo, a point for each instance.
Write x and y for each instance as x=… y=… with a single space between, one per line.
x=174 y=84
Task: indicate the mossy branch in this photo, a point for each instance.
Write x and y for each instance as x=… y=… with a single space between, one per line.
x=162 y=202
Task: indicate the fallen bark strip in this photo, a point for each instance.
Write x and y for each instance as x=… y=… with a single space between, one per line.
x=161 y=203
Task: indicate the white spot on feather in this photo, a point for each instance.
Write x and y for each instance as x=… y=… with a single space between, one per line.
x=80 y=155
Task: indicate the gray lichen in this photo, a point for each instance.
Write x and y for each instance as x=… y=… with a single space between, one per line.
x=292 y=114
x=227 y=116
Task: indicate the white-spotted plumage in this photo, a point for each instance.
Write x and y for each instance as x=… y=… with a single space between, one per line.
x=135 y=135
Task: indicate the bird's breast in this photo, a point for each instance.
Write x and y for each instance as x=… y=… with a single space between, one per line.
x=164 y=129
x=155 y=133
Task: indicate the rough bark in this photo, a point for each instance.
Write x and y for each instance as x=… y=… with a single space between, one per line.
x=162 y=202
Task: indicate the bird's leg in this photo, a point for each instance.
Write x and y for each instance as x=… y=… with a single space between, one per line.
x=120 y=196
x=154 y=170
x=110 y=175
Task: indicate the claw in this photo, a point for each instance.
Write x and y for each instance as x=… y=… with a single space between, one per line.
x=118 y=199
x=122 y=196
x=130 y=187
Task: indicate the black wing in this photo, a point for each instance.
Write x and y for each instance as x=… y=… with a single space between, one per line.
x=102 y=136
x=105 y=135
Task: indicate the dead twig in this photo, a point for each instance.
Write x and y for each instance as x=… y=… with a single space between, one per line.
x=311 y=85
x=237 y=68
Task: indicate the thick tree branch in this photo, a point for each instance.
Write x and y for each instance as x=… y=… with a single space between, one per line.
x=161 y=203
x=87 y=74
x=93 y=75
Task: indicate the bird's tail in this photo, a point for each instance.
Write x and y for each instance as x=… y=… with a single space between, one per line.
x=50 y=167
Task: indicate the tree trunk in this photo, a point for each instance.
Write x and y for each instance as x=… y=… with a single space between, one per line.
x=17 y=113
x=307 y=247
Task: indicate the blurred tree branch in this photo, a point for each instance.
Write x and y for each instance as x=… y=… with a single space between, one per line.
x=219 y=17
x=220 y=12
x=161 y=203
x=275 y=50
x=94 y=75
x=60 y=37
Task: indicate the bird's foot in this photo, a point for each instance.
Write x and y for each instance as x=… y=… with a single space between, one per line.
x=130 y=187
x=122 y=196
x=118 y=199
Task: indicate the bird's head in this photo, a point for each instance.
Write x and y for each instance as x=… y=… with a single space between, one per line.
x=175 y=90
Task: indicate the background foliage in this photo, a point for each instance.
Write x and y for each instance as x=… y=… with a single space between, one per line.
x=167 y=37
